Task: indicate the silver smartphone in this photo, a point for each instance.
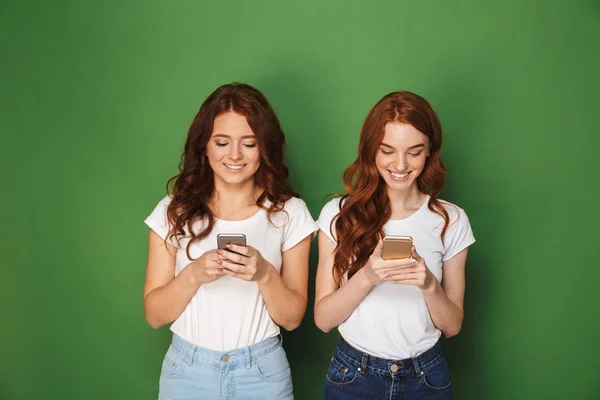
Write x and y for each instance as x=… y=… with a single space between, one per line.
x=223 y=239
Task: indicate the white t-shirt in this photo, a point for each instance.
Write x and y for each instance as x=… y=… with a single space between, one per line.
x=230 y=313
x=393 y=321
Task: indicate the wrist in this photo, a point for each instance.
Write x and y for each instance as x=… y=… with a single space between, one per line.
x=265 y=279
x=192 y=277
x=367 y=277
x=431 y=286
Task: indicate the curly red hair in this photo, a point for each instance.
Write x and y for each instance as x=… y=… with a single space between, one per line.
x=193 y=187
x=365 y=209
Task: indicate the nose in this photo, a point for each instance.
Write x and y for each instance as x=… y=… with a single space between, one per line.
x=235 y=153
x=400 y=163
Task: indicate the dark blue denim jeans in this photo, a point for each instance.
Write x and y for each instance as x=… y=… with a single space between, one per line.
x=353 y=374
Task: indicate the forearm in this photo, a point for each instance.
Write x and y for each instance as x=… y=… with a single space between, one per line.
x=445 y=314
x=166 y=303
x=285 y=306
x=335 y=308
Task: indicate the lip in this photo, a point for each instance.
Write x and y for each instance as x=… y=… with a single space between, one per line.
x=397 y=179
x=234 y=170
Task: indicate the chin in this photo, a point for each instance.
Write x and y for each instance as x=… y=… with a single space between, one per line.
x=237 y=181
x=399 y=185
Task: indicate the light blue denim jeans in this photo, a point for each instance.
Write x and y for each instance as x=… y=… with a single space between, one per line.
x=260 y=371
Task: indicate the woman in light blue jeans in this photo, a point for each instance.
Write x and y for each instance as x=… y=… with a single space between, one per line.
x=227 y=301
x=260 y=371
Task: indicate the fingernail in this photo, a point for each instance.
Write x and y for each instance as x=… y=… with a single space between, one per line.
x=228 y=246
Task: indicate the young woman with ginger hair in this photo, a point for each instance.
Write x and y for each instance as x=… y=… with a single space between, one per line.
x=391 y=313
x=227 y=306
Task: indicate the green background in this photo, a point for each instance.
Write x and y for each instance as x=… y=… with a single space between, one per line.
x=96 y=99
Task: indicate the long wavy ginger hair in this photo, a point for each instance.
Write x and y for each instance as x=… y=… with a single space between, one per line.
x=365 y=209
x=193 y=187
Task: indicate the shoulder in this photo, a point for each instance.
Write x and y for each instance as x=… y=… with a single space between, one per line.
x=158 y=219
x=332 y=208
x=294 y=209
x=454 y=211
x=294 y=203
x=457 y=216
x=161 y=208
x=165 y=201
x=327 y=216
x=293 y=206
x=297 y=207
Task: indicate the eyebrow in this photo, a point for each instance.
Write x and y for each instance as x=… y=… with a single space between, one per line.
x=229 y=137
x=410 y=148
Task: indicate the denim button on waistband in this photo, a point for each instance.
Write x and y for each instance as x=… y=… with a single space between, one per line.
x=225 y=358
x=394 y=368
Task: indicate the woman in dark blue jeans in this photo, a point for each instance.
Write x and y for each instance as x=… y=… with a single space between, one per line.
x=391 y=312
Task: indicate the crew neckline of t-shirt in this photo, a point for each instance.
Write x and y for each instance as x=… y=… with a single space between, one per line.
x=260 y=211
x=419 y=210
x=229 y=221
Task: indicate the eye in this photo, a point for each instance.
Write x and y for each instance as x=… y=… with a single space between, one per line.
x=221 y=144
x=387 y=153
x=250 y=145
x=418 y=153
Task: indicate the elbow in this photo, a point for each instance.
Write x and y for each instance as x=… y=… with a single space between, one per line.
x=153 y=322
x=292 y=323
x=324 y=328
x=155 y=325
x=151 y=318
x=453 y=330
x=455 y=326
x=155 y=313
x=322 y=325
x=292 y=320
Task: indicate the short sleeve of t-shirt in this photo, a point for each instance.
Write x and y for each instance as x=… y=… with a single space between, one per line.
x=157 y=220
x=299 y=225
x=459 y=235
x=328 y=213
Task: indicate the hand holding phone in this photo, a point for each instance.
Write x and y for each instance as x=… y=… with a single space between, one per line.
x=240 y=260
x=207 y=268
x=378 y=269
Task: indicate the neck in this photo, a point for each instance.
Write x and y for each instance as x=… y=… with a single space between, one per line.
x=234 y=199
x=409 y=199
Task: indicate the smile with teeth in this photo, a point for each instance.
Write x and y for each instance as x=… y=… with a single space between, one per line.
x=398 y=176
x=234 y=167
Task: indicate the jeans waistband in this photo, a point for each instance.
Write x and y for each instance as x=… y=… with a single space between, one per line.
x=365 y=362
x=245 y=354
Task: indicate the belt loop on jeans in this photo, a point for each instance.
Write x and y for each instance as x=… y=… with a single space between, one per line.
x=192 y=353
x=247 y=357
x=280 y=337
x=417 y=365
x=363 y=364
x=189 y=349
